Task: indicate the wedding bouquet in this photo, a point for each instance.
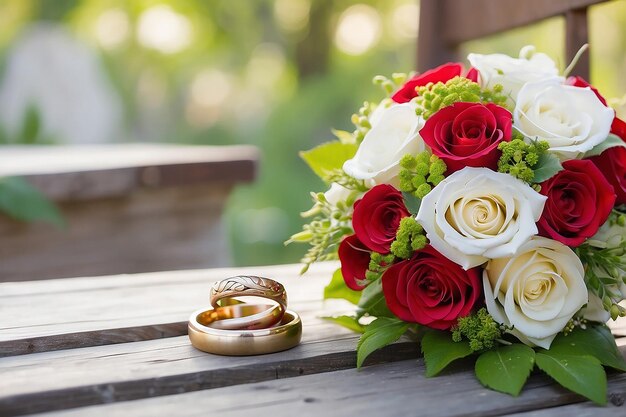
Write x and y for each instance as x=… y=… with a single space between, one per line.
x=483 y=212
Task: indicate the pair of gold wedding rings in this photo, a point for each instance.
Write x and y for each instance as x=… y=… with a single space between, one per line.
x=235 y=328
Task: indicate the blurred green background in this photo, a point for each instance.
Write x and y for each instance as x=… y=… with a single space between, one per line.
x=277 y=74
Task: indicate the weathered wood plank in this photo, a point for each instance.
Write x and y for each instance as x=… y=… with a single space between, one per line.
x=467 y=20
x=148 y=230
x=143 y=306
x=130 y=371
x=128 y=208
x=97 y=171
x=398 y=388
x=585 y=409
x=79 y=312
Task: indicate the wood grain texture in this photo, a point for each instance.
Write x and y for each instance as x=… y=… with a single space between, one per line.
x=585 y=409
x=576 y=35
x=398 y=389
x=102 y=310
x=147 y=230
x=467 y=20
x=128 y=208
x=162 y=367
x=79 y=172
x=445 y=24
x=160 y=374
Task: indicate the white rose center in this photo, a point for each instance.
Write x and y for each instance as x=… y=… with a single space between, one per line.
x=478 y=217
x=540 y=290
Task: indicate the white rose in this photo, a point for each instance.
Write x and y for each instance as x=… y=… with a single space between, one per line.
x=513 y=73
x=595 y=310
x=337 y=193
x=395 y=133
x=610 y=235
x=477 y=214
x=537 y=291
x=571 y=119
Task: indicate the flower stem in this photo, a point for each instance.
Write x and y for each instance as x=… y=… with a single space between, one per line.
x=575 y=60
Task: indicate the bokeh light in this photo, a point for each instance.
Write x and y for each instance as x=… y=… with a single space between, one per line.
x=292 y=15
x=112 y=28
x=161 y=28
x=358 y=30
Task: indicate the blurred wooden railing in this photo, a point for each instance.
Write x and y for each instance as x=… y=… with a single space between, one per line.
x=446 y=24
x=129 y=208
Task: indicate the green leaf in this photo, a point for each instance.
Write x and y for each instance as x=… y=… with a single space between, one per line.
x=583 y=375
x=337 y=289
x=596 y=341
x=343 y=136
x=440 y=350
x=22 y=201
x=411 y=202
x=328 y=157
x=506 y=368
x=547 y=166
x=348 y=322
x=378 y=334
x=373 y=300
x=30 y=126
x=610 y=142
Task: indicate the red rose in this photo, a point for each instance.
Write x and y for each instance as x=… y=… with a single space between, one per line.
x=442 y=73
x=581 y=82
x=612 y=162
x=472 y=74
x=468 y=134
x=355 y=259
x=377 y=216
x=430 y=289
x=579 y=201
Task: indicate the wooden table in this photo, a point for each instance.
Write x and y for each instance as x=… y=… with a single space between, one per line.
x=117 y=345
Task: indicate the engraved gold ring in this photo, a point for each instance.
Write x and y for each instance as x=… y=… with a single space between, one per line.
x=224 y=293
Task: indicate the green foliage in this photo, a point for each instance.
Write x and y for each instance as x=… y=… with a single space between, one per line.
x=343 y=136
x=378 y=265
x=390 y=85
x=30 y=132
x=505 y=368
x=440 y=350
x=433 y=97
x=328 y=157
x=361 y=121
x=610 y=142
x=410 y=237
x=373 y=302
x=22 y=201
x=337 y=289
x=420 y=173
x=340 y=177
x=530 y=162
x=378 y=334
x=582 y=374
x=547 y=166
x=479 y=328
x=324 y=232
x=604 y=273
x=596 y=341
x=411 y=202
x=349 y=322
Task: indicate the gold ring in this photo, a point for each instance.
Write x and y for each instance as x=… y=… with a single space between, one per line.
x=285 y=335
x=223 y=293
x=261 y=316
